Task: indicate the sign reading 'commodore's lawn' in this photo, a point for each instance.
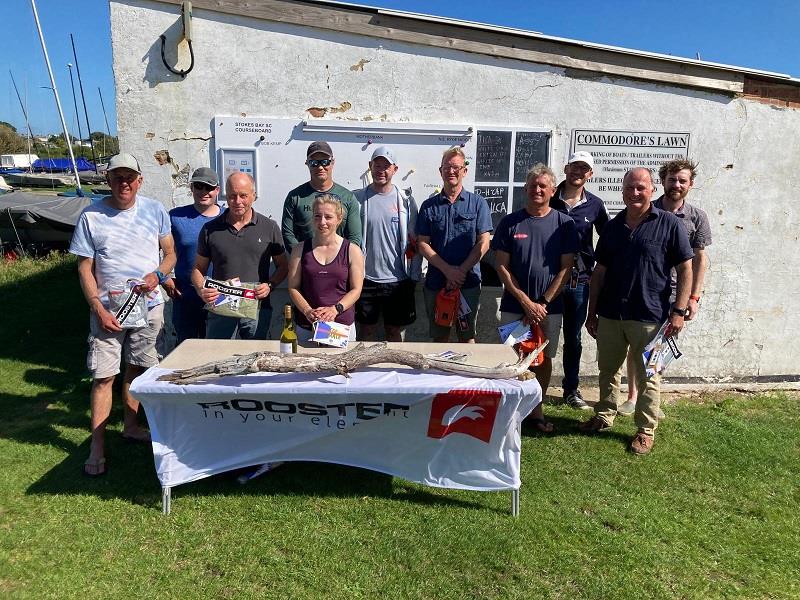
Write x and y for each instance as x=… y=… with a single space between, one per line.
x=616 y=152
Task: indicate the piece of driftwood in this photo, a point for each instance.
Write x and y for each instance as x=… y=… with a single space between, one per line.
x=342 y=364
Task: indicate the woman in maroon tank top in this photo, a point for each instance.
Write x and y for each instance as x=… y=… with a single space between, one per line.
x=326 y=273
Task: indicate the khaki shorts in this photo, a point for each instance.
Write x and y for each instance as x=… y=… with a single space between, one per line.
x=138 y=347
x=551 y=327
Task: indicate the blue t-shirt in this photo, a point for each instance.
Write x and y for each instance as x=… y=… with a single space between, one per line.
x=453 y=229
x=186 y=224
x=124 y=244
x=535 y=246
x=636 y=286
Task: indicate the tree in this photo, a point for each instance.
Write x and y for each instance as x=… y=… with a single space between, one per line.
x=9 y=125
x=10 y=141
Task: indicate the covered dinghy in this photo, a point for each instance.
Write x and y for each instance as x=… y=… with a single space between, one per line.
x=39 y=219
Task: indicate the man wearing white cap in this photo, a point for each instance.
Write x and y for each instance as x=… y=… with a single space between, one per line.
x=392 y=264
x=117 y=241
x=588 y=211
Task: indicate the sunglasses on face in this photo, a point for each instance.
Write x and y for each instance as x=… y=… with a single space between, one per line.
x=203 y=187
x=323 y=162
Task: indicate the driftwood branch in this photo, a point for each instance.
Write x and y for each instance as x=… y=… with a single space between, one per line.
x=342 y=363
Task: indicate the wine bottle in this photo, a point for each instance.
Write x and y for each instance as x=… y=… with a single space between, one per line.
x=288 y=343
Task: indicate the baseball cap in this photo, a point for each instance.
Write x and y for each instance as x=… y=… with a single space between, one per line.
x=581 y=156
x=123 y=160
x=386 y=153
x=319 y=148
x=205 y=175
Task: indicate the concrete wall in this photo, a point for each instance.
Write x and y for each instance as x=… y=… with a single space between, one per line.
x=747 y=150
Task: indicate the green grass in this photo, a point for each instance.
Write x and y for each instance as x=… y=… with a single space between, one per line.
x=713 y=512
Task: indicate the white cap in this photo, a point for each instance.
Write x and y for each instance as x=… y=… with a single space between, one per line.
x=386 y=153
x=581 y=156
x=124 y=161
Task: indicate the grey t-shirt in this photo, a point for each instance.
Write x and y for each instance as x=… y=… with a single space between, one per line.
x=384 y=260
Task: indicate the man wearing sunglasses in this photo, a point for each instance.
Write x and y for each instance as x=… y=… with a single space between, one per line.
x=297 y=221
x=188 y=315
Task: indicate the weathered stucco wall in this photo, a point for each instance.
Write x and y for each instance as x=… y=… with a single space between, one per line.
x=747 y=150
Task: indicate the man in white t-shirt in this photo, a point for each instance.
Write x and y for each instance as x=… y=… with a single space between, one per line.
x=117 y=241
x=392 y=265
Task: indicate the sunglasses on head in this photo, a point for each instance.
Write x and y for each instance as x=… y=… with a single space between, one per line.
x=203 y=187
x=322 y=162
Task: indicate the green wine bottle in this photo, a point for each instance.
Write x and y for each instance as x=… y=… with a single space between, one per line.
x=288 y=335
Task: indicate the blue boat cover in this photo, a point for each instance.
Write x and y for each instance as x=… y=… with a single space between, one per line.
x=61 y=164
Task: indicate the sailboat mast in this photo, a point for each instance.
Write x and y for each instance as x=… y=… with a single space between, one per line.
x=27 y=123
x=58 y=101
x=83 y=98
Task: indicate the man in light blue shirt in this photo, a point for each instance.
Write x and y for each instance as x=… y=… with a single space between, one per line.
x=117 y=241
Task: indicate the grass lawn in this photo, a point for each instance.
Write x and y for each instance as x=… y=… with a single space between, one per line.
x=713 y=512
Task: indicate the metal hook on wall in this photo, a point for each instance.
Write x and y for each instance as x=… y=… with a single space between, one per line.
x=186 y=18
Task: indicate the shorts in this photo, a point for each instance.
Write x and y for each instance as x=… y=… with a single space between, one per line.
x=472 y=296
x=551 y=327
x=395 y=300
x=138 y=347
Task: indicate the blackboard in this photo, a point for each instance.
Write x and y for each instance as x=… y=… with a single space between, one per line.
x=497 y=198
x=492 y=156
x=530 y=148
x=520 y=199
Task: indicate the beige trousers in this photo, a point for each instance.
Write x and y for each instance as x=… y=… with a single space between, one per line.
x=613 y=339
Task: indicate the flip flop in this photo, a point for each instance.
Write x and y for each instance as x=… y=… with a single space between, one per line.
x=97 y=466
x=141 y=438
x=541 y=425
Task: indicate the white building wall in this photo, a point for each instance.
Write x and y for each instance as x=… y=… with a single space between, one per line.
x=747 y=150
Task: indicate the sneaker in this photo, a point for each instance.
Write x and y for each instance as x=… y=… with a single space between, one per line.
x=575 y=400
x=628 y=408
x=642 y=444
x=594 y=425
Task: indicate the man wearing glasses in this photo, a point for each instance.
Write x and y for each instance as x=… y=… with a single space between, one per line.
x=453 y=230
x=297 y=221
x=188 y=315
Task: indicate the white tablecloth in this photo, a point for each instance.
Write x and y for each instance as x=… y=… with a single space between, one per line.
x=432 y=428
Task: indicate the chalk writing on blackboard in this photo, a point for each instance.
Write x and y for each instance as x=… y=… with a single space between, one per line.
x=497 y=198
x=530 y=148
x=492 y=156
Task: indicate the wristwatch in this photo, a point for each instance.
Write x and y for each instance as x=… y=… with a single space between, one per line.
x=542 y=300
x=270 y=285
x=339 y=308
x=681 y=312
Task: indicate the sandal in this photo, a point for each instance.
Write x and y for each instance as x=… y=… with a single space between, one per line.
x=95 y=468
x=541 y=425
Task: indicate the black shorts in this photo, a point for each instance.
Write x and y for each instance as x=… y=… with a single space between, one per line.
x=395 y=300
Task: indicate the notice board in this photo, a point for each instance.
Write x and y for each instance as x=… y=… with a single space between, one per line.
x=273 y=151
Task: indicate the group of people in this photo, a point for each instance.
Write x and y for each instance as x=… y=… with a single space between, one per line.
x=355 y=257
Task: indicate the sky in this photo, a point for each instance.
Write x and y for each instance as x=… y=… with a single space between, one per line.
x=746 y=33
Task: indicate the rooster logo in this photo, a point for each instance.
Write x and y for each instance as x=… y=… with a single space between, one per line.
x=469 y=412
x=461 y=411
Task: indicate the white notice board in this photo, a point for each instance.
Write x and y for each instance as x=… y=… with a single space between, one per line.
x=273 y=150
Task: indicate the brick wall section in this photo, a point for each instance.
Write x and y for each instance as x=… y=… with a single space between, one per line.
x=771 y=92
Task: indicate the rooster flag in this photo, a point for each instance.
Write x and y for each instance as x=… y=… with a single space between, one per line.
x=470 y=412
